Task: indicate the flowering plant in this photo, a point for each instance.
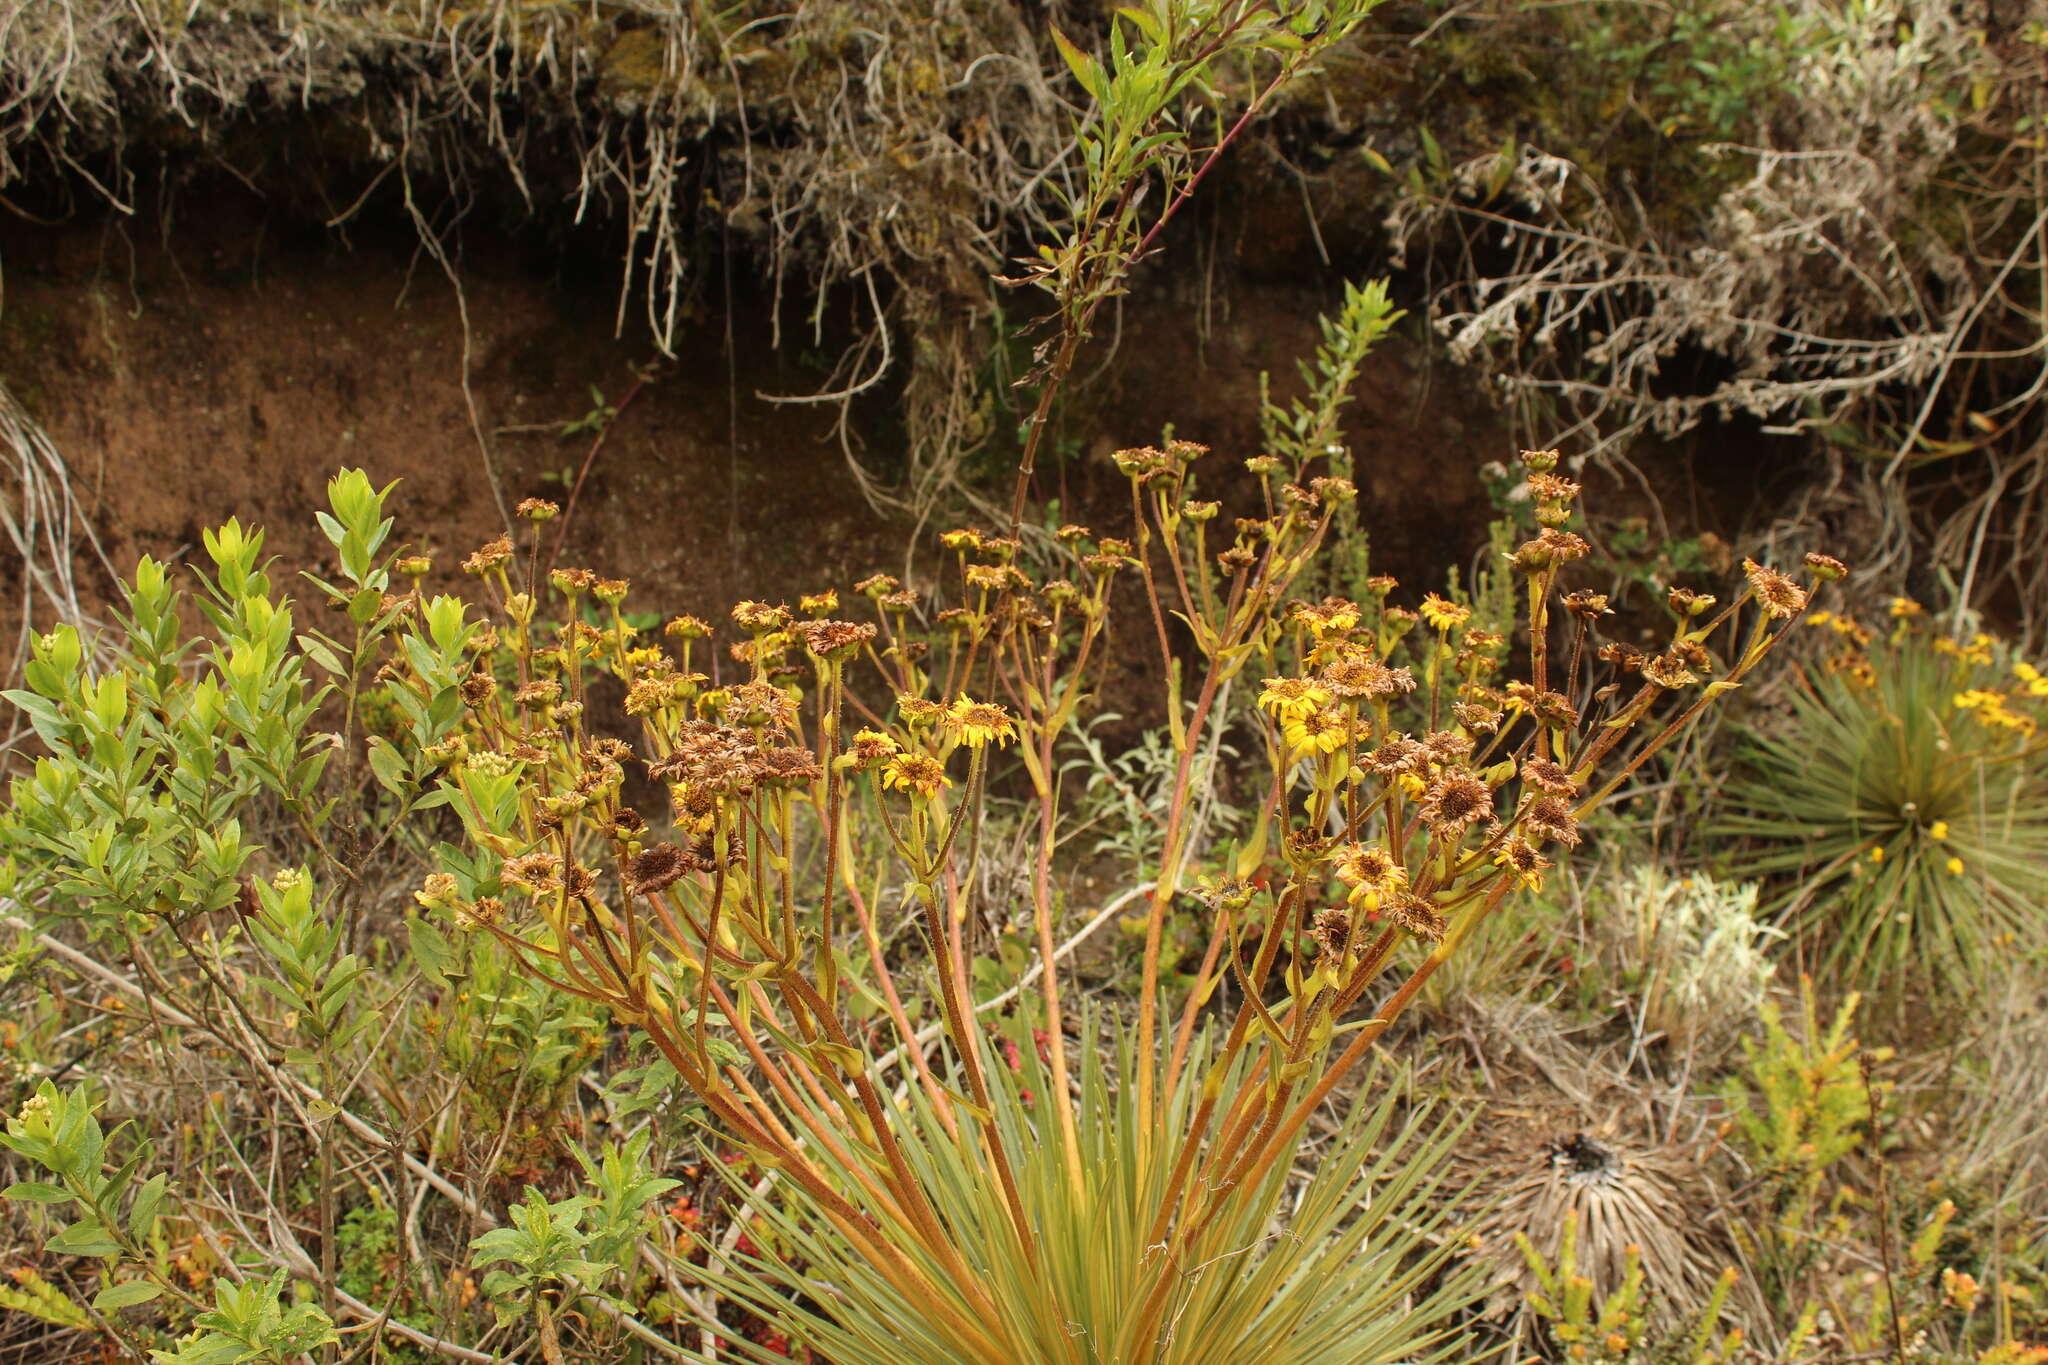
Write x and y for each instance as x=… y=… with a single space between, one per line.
x=848 y=763
x=1901 y=800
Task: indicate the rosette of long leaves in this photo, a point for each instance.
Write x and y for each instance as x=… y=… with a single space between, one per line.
x=1901 y=804
x=1347 y=1267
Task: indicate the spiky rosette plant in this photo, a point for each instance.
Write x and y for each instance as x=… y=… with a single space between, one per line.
x=847 y=768
x=1900 y=803
x=1627 y=1207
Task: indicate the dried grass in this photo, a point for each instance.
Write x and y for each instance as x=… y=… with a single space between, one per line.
x=1870 y=278
x=41 y=518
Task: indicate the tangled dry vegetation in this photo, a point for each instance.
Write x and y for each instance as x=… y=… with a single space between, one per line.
x=1830 y=220
x=867 y=149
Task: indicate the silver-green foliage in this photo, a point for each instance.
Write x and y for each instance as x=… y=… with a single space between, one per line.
x=1344 y=1265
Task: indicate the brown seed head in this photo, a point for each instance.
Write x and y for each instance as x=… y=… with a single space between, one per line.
x=1447 y=746
x=835 y=640
x=1414 y=914
x=788 y=766
x=877 y=585
x=1777 y=594
x=656 y=869
x=1331 y=929
x=1398 y=755
x=1454 y=802
x=1548 y=817
x=538 y=873
x=1587 y=606
x=488 y=556
x=758 y=618
x=1547 y=776
x=1668 y=671
x=1826 y=568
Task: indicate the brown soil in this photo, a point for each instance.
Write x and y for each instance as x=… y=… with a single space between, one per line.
x=223 y=374
x=227 y=365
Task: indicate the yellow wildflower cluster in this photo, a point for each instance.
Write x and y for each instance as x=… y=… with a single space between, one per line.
x=1975 y=652
x=1993 y=711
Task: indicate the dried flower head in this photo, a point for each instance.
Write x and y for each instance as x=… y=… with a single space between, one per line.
x=713 y=761
x=1480 y=720
x=538 y=873
x=1669 y=671
x=487 y=911
x=477 y=689
x=537 y=510
x=1398 y=755
x=1549 y=709
x=761 y=703
x=1685 y=602
x=1415 y=914
x=1140 y=463
x=1447 y=746
x=1454 y=802
x=1777 y=594
x=877 y=585
x=1826 y=568
x=1355 y=676
x=540 y=693
x=834 y=640
x=787 y=765
x=1550 y=818
x=656 y=869
x=1587 y=606
x=488 y=556
x=1549 y=550
x=1331 y=929
x=1547 y=776
x=687 y=628
x=759 y=618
